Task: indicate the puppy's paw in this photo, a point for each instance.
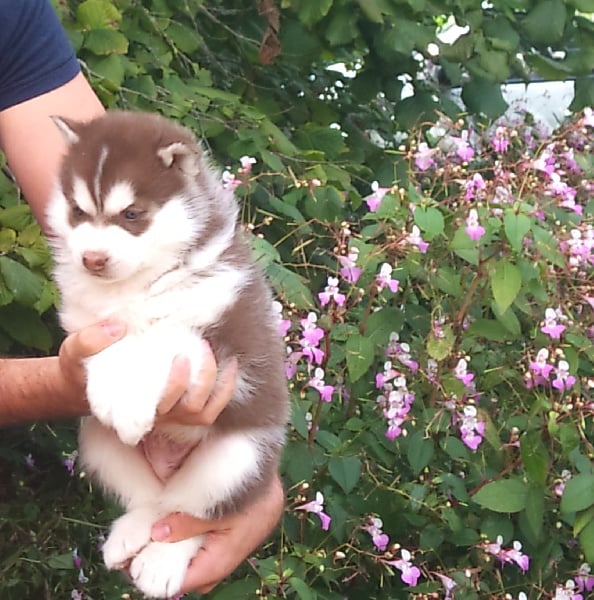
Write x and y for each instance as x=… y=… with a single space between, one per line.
x=132 y=422
x=129 y=535
x=159 y=570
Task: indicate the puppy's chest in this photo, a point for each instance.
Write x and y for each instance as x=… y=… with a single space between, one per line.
x=190 y=301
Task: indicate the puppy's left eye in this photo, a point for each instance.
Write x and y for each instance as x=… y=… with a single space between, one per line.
x=131 y=214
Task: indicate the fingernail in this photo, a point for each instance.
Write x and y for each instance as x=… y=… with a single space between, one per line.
x=160 y=532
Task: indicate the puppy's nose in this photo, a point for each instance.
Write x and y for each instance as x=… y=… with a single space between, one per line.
x=94 y=260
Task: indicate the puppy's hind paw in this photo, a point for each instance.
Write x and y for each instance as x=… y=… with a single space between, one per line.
x=129 y=535
x=159 y=569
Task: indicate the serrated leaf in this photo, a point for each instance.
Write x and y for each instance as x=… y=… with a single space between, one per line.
x=516 y=226
x=360 y=355
x=503 y=495
x=506 y=282
x=346 y=471
x=578 y=493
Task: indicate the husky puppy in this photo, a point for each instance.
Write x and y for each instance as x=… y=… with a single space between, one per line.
x=143 y=230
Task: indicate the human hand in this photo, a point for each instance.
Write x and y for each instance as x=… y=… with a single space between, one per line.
x=201 y=403
x=228 y=541
x=81 y=345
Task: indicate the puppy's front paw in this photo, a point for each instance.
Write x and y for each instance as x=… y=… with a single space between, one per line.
x=159 y=570
x=129 y=535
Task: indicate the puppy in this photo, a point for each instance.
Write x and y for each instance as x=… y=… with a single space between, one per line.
x=143 y=230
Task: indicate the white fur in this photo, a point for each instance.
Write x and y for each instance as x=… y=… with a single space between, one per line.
x=119 y=197
x=165 y=292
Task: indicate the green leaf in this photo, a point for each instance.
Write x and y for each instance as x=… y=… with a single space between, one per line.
x=187 y=40
x=290 y=286
x=534 y=511
x=346 y=471
x=420 y=451
x=16 y=217
x=430 y=221
x=360 y=355
x=587 y=541
x=506 y=282
x=578 y=493
x=93 y=14
x=312 y=11
x=440 y=348
x=25 y=326
x=484 y=97
x=516 y=226
x=545 y=23
x=534 y=457
x=503 y=495
x=25 y=286
x=304 y=592
x=105 y=42
x=382 y=323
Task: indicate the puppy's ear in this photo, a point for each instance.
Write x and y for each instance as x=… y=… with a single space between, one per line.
x=182 y=155
x=68 y=129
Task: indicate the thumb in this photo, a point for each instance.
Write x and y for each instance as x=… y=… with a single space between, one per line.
x=93 y=339
x=180 y=526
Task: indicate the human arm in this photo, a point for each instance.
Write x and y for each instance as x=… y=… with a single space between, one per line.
x=229 y=540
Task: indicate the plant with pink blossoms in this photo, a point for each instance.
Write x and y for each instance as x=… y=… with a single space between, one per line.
x=550 y=325
x=400 y=351
x=509 y=555
x=378 y=537
x=349 y=270
x=384 y=278
x=409 y=573
x=317 y=383
x=374 y=200
x=500 y=140
x=472 y=430
x=461 y=372
x=423 y=157
x=474 y=230
x=539 y=369
x=563 y=380
x=474 y=186
x=331 y=292
x=311 y=336
x=316 y=507
x=414 y=239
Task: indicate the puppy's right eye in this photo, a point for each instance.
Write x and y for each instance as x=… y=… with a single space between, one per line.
x=77 y=211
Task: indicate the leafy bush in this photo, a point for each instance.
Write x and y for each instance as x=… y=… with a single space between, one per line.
x=438 y=322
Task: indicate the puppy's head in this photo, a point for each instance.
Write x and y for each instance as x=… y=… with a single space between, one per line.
x=133 y=193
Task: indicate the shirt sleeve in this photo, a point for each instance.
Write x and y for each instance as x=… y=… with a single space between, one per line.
x=35 y=53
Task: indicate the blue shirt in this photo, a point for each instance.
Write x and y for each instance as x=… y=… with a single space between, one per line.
x=35 y=54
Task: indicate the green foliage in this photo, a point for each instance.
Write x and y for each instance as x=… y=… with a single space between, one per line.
x=248 y=85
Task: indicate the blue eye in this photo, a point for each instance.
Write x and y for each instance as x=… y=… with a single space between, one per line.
x=131 y=214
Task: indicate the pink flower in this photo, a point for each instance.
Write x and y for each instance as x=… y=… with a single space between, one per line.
x=463 y=148
x=317 y=382
x=472 y=430
x=230 y=182
x=409 y=573
x=317 y=508
x=414 y=238
x=473 y=229
x=563 y=380
x=476 y=184
x=500 y=141
x=550 y=325
x=423 y=157
x=540 y=368
x=513 y=554
x=331 y=293
x=374 y=200
x=246 y=164
x=584 y=581
x=378 y=537
x=588 y=118
x=349 y=271
x=384 y=278
x=310 y=340
x=461 y=373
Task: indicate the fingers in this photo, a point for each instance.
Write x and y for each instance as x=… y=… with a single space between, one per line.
x=93 y=339
x=203 y=401
x=180 y=526
x=221 y=394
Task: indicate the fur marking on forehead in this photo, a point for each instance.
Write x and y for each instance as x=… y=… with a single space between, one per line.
x=119 y=197
x=82 y=196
